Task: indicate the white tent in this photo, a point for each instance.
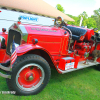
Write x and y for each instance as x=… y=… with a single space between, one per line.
x=35 y=7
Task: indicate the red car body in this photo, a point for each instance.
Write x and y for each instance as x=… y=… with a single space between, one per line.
x=61 y=50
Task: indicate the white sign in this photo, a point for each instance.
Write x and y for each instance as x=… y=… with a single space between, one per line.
x=69 y=65
x=8 y=17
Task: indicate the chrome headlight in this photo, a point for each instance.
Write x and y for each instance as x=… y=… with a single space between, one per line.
x=2 y=40
x=59 y=21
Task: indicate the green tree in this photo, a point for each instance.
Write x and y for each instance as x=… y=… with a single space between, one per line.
x=91 y=23
x=87 y=21
x=60 y=8
x=96 y=17
x=77 y=19
x=76 y=22
x=85 y=18
x=84 y=14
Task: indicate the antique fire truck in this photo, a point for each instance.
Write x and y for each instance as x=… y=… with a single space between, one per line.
x=63 y=47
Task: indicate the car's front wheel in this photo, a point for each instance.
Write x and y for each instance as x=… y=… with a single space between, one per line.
x=30 y=74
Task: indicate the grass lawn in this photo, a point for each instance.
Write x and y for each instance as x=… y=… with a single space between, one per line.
x=78 y=85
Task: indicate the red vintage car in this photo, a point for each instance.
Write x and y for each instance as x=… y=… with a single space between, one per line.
x=39 y=48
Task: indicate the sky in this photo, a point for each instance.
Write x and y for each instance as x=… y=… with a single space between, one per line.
x=76 y=7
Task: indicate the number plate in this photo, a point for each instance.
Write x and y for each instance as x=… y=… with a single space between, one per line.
x=69 y=65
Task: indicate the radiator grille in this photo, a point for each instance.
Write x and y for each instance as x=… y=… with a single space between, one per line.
x=17 y=39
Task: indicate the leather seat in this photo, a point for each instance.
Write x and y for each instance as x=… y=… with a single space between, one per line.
x=77 y=32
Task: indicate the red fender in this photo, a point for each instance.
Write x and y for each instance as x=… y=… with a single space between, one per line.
x=24 y=48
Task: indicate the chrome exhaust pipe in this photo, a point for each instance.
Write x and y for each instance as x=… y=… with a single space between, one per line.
x=98 y=39
x=93 y=37
x=97 y=34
